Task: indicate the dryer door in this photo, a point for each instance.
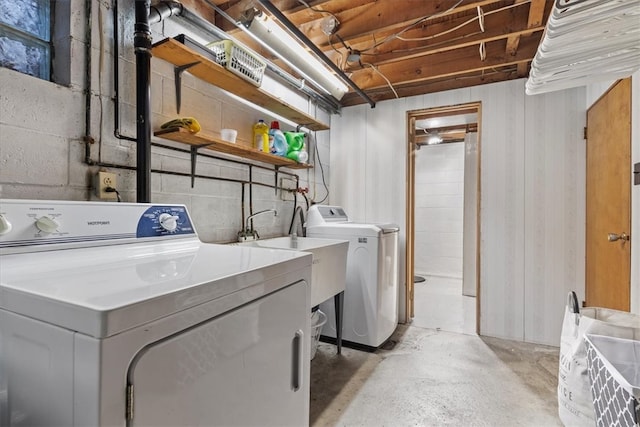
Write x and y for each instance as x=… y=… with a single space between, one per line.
x=247 y=367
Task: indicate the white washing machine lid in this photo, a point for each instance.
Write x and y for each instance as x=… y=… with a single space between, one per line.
x=101 y=291
x=334 y=221
x=351 y=229
x=325 y=220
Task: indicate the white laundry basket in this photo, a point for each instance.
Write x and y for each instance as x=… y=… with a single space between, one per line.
x=614 y=373
x=318 y=319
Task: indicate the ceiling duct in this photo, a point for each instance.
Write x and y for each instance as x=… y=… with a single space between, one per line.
x=586 y=41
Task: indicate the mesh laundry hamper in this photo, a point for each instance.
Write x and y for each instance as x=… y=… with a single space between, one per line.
x=614 y=373
x=575 y=406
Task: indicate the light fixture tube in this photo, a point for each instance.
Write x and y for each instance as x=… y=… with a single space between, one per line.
x=270 y=33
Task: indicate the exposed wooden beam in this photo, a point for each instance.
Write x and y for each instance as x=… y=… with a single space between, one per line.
x=199 y=8
x=514 y=40
x=387 y=15
x=335 y=7
x=523 y=69
x=474 y=79
x=534 y=20
x=536 y=13
x=445 y=64
x=235 y=9
x=397 y=58
x=499 y=24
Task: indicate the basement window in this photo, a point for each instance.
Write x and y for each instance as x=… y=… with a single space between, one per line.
x=29 y=32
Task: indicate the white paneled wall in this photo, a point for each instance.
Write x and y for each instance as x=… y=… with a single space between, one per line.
x=502 y=209
x=439 y=200
x=470 y=231
x=524 y=191
x=554 y=208
x=42 y=131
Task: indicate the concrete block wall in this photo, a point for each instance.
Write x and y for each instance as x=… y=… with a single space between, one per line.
x=439 y=210
x=42 y=132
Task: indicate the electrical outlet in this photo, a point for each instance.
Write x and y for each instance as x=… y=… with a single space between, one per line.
x=104 y=180
x=287 y=184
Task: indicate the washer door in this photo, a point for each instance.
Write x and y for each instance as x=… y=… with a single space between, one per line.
x=247 y=367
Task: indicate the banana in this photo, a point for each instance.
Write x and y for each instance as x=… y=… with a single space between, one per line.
x=189 y=123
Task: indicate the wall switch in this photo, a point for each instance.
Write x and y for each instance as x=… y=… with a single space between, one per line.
x=288 y=186
x=104 y=180
x=636 y=174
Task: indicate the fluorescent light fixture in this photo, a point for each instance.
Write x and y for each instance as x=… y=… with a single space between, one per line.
x=267 y=32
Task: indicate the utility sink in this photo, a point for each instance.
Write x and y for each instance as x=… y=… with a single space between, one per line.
x=329 y=265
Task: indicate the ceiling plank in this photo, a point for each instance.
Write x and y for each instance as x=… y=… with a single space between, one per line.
x=200 y=8
x=461 y=81
x=536 y=14
x=386 y=15
x=523 y=69
x=498 y=26
x=324 y=8
x=475 y=44
x=514 y=40
x=444 y=64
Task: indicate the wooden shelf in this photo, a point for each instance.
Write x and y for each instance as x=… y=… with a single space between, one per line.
x=186 y=137
x=179 y=55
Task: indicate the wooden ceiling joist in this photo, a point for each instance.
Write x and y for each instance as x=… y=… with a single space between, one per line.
x=445 y=64
x=438 y=48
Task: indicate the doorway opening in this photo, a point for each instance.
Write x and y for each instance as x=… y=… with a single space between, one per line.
x=443 y=222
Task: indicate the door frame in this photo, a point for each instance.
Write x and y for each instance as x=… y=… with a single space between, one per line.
x=412 y=116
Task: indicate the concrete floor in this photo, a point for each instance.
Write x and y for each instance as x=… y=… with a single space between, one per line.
x=435 y=378
x=439 y=304
x=436 y=372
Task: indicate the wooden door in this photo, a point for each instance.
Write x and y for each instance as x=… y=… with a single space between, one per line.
x=608 y=186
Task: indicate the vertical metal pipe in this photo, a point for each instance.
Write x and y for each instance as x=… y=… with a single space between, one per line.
x=251 y=193
x=116 y=75
x=142 y=47
x=88 y=139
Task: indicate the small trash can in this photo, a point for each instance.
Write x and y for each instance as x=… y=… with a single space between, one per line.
x=613 y=365
x=318 y=319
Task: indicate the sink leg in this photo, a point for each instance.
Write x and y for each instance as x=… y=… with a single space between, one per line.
x=338 y=301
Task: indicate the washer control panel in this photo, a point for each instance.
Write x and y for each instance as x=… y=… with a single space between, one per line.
x=34 y=225
x=164 y=220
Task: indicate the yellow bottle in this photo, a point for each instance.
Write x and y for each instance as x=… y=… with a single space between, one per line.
x=261 y=136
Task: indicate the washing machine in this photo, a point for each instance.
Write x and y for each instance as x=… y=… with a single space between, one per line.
x=370 y=313
x=116 y=314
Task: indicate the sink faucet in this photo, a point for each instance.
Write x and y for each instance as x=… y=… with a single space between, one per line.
x=293 y=229
x=249 y=232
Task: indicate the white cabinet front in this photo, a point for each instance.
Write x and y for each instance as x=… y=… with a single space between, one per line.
x=248 y=367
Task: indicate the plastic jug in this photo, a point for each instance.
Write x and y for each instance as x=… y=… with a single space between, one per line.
x=277 y=141
x=296 y=150
x=295 y=141
x=261 y=136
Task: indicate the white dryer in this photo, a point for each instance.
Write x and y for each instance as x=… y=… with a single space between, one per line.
x=371 y=290
x=115 y=314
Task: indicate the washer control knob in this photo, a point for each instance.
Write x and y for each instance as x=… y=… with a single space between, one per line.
x=5 y=225
x=47 y=225
x=168 y=222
